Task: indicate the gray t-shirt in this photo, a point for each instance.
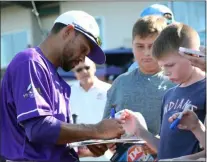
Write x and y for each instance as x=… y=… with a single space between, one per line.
x=139 y=92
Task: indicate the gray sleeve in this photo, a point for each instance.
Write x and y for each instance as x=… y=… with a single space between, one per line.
x=111 y=94
x=162 y=111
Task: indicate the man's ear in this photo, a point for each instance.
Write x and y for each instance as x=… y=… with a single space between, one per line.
x=67 y=31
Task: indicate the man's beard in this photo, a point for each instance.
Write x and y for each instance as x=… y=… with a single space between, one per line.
x=68 y=65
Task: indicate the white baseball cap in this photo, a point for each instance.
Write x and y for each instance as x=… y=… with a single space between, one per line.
x=86 y=24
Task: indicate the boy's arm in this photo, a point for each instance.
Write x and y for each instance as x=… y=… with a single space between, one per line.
x=152 y=141
x=199 y=133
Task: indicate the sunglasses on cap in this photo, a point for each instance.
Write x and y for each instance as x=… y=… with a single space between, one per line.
x=168 y=17
x=78 y=70
x=97 y=39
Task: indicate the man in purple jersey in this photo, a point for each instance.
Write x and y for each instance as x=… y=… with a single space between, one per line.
x=34 y=110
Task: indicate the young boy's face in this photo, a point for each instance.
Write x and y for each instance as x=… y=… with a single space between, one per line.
x=142 y=49
x=176 y=67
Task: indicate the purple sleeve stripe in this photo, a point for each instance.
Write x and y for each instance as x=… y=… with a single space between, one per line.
x=32 y=113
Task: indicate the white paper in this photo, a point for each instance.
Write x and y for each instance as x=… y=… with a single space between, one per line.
x=96 y=142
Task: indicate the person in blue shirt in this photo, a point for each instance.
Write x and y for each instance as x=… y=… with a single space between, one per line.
x=190 y=121
x=155 y=9
x=176 y=144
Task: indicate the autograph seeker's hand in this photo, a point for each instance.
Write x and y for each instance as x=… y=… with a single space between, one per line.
x=197 y=61
x=189 y=120
x=134 y=122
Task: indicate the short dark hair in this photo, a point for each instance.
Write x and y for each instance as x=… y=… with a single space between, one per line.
x=148 y=25
x=57 y=27
x=172 y=37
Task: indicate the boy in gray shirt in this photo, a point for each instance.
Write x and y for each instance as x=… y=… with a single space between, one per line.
x=142 y=89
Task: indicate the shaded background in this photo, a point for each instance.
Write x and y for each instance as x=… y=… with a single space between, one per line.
x=26 y=23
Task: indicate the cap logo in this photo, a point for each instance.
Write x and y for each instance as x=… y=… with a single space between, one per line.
x=97 y=39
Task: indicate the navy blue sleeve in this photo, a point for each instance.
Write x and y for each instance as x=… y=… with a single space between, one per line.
x=42 y=129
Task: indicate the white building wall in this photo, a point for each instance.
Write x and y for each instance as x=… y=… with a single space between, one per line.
x=15 y=19
x=118 y=18
x=37 y=34
x=48 y=21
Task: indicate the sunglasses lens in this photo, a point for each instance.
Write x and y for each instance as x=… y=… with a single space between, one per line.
x=168 y=17
x=80 y=69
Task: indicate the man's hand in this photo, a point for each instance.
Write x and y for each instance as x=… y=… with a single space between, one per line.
x=197 y=61
x=134 y=122
x=109 y=129
x=97 y=150
x=92 y=150
x=189 y=120
x=84 y=152
x=106 y=129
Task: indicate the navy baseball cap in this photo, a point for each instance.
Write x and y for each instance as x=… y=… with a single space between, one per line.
x=158 y=9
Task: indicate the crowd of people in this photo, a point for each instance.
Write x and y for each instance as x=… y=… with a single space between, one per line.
x=37 y=104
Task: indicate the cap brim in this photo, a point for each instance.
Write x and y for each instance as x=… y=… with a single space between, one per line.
x=96 y=55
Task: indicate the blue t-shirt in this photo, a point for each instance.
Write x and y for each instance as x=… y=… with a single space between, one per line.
x=176 y=143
